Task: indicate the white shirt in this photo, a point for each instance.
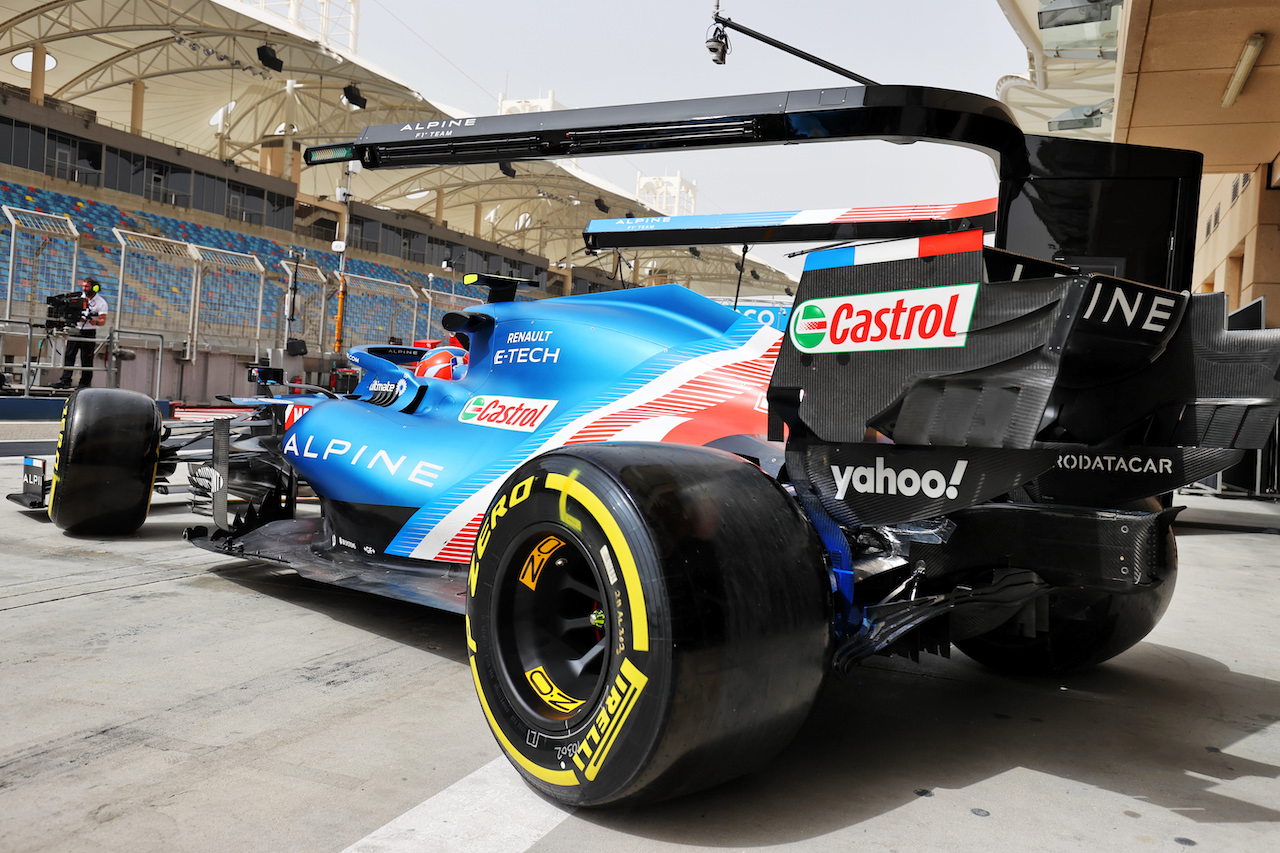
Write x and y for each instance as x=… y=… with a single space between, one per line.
x=97 y=306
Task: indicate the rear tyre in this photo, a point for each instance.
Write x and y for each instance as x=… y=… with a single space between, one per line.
x=644 y=620
x=1082 y=628
x=105 y=464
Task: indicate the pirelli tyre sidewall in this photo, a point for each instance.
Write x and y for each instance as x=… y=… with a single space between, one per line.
x=105 y=463
x=680 y=692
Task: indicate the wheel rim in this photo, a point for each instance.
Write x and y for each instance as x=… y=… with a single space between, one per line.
x=551 y=622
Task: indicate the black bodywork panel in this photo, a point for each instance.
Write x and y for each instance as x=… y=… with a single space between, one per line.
x=1126 y=210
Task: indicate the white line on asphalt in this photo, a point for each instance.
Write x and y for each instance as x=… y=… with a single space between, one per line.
x=490 y=811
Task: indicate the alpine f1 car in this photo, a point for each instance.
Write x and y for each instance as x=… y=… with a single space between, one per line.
x=972 y=441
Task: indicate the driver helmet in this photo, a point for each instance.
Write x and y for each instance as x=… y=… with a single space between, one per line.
x=442 y=363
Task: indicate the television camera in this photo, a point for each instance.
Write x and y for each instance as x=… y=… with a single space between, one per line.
x=65 y=309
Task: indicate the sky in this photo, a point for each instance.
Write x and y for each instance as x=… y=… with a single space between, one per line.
x=464 y=53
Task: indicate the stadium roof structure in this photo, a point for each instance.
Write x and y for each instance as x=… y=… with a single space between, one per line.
x=1153 y=72
x=1069 y=86
x=197 y=74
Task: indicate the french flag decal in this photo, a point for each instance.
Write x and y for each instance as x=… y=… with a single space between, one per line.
x=895 y=250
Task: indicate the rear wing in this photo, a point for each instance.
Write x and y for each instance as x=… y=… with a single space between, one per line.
x=773 y=118
x=1124 y=210
x=790 y=226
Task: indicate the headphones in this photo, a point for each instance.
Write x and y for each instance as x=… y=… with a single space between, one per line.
x=94 y=287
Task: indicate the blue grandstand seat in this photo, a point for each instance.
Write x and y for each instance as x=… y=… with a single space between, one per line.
x=157 y=288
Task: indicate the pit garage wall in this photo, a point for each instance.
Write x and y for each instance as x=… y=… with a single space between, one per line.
x=197 y=383
x=1239 y=253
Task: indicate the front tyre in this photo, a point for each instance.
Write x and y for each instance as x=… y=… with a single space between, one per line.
x=644 y=620
x=105 y=463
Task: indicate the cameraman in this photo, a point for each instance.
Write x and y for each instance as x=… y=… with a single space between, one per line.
x=93 y=315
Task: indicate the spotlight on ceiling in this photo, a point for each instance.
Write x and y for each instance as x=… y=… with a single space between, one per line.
x=267 y=56
x=693 y=250
x=506 y=169
x=601 y=206
x=755 y=275
x=1064 y=13
x=352 y=93
x=718 y=44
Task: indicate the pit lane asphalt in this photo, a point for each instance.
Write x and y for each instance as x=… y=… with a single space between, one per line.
x=156 y=697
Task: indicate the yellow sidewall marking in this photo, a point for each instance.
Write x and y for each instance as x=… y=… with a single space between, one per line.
x=565 y=518
x=538 y=558
x=57 y=454
x=569 y=487
x=563 y=778
x=610 y=719
x=550 y=693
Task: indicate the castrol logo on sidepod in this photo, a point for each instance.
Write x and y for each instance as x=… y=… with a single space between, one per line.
x=923 y=318
x=522 y=414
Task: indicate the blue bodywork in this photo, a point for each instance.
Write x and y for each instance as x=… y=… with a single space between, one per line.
x=393 y=467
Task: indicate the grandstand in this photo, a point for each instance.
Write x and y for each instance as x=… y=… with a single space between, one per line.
x=171 y=154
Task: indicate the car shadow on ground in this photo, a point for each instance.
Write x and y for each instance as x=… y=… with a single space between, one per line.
x=1156 y=726
x=434 y=631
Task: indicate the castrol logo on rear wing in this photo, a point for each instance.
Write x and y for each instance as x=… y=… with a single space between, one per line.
x=923 y=318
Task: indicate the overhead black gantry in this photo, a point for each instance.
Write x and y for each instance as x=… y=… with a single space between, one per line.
x=1122 y=209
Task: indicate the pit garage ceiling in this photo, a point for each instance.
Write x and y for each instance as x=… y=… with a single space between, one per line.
x=1176 y=57
x=197 y=56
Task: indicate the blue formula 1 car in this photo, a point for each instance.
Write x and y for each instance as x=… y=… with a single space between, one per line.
x=974 y=438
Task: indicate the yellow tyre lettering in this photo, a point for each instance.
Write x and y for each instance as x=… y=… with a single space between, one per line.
x=613 y=714
x=151 y=490
x=62 y=434
x=537 y=559
x=622 y=696
x=563 y=778
x=482 y=541
x=550 y=693
x=570 y=488
x=520 y=491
